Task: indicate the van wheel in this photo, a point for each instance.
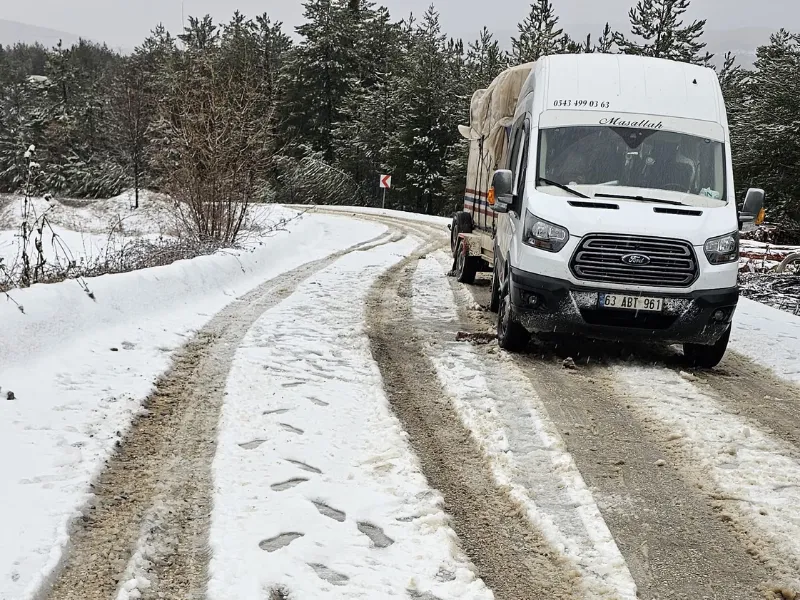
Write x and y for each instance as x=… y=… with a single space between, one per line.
x=511 y=335
x=462 y=223
x=706 y=357
x=494 y=290
x=466 y=266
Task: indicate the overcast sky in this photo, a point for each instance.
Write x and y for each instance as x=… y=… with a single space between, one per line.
x=124 y=23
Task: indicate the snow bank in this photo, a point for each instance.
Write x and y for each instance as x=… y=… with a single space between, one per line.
x=317 y=491
x=497 y=403
x=80 y=368
x=380 y=212
x=768 y=336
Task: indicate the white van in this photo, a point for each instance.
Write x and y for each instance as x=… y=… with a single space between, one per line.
x=613 y=212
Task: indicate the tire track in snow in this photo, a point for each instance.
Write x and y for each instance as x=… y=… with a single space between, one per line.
x=512 y=556
x=673 y=540
x=516 y=433
x=145 y=532
x=751 y=479
x=747 y=389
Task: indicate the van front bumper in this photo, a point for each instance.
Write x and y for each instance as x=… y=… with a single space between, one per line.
x=547 y=305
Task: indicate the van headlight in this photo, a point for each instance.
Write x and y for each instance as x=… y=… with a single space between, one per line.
x=723 y=249
x=543 y=234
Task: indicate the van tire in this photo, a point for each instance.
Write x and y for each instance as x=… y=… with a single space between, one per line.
x=466 y=266
x=494 y=290
x=511 y=335
x=462 y=223
x=706 y=357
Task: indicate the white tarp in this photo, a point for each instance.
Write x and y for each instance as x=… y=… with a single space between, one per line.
x=491 y=111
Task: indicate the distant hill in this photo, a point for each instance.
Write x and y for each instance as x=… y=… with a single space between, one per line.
x=12 y=32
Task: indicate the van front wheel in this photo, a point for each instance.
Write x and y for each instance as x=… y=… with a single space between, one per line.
x=511 y=335
x=707 y=357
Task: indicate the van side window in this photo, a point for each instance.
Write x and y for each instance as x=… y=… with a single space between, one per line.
x=513 y=158
x=523 y=175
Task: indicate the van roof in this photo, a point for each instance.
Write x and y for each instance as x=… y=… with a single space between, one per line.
x=634 y=84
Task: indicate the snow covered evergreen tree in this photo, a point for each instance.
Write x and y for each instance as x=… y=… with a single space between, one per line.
x=765 y=121
x=319 y=74
x=485 y=61
x=428 y=123
x=659 y=31
x=539 y=35
x=606 y=42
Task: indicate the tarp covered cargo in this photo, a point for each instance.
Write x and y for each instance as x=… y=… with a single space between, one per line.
x=491 y=116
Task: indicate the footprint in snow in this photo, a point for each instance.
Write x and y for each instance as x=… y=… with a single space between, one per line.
x=280 y=541
x=287 y=485
x=330 y=512
x=252 y=445
x=318 y=402
x=376 y=535
x=292 y=384
x=304 y=466
x=291 y=429
x=277 y=411
x=329 y=575
x=415 y=595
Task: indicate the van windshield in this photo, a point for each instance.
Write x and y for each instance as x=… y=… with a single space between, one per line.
x=645 y=159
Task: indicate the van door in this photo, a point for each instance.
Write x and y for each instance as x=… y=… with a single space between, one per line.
x=507 y=224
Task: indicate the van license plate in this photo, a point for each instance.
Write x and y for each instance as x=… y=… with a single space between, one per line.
x=620 y=301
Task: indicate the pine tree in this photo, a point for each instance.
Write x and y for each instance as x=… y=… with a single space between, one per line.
x=606 y=42
x=539 y=35
x=659 y=32
x=320 y=72
x=428 y=123
x=485 y=61
x=765 y=118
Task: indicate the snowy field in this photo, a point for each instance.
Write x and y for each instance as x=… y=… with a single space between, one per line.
x=79 y=370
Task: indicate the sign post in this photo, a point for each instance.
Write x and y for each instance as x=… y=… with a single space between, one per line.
x=386 y=183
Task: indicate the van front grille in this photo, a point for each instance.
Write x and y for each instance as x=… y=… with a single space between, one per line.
x=635 y=260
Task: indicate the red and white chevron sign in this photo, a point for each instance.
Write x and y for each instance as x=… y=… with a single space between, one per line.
x=386 y=182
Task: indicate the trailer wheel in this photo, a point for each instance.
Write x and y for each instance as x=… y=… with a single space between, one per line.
x=706 y=357
x=494 y=290
x=466 y=266
x=462 y=223
x=511 y=335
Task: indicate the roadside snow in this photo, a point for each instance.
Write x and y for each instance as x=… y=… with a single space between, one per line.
x=768 y=336
x=523 y=445
x=381 y=212
x=317 y=491
x=79 y=370
x=753 y=475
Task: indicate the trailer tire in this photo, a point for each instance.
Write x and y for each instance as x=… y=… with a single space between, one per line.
x=706 y=357
x=466 y=266
x=462 y=223
x=511 y=335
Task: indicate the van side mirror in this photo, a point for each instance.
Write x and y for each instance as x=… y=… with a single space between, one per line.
x=502 y=190
x=753 y=207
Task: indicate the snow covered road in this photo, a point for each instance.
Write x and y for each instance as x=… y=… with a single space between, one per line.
x=322 y=434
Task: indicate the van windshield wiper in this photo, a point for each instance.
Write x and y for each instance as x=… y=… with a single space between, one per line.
x=561 y=186
x=640 y=199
